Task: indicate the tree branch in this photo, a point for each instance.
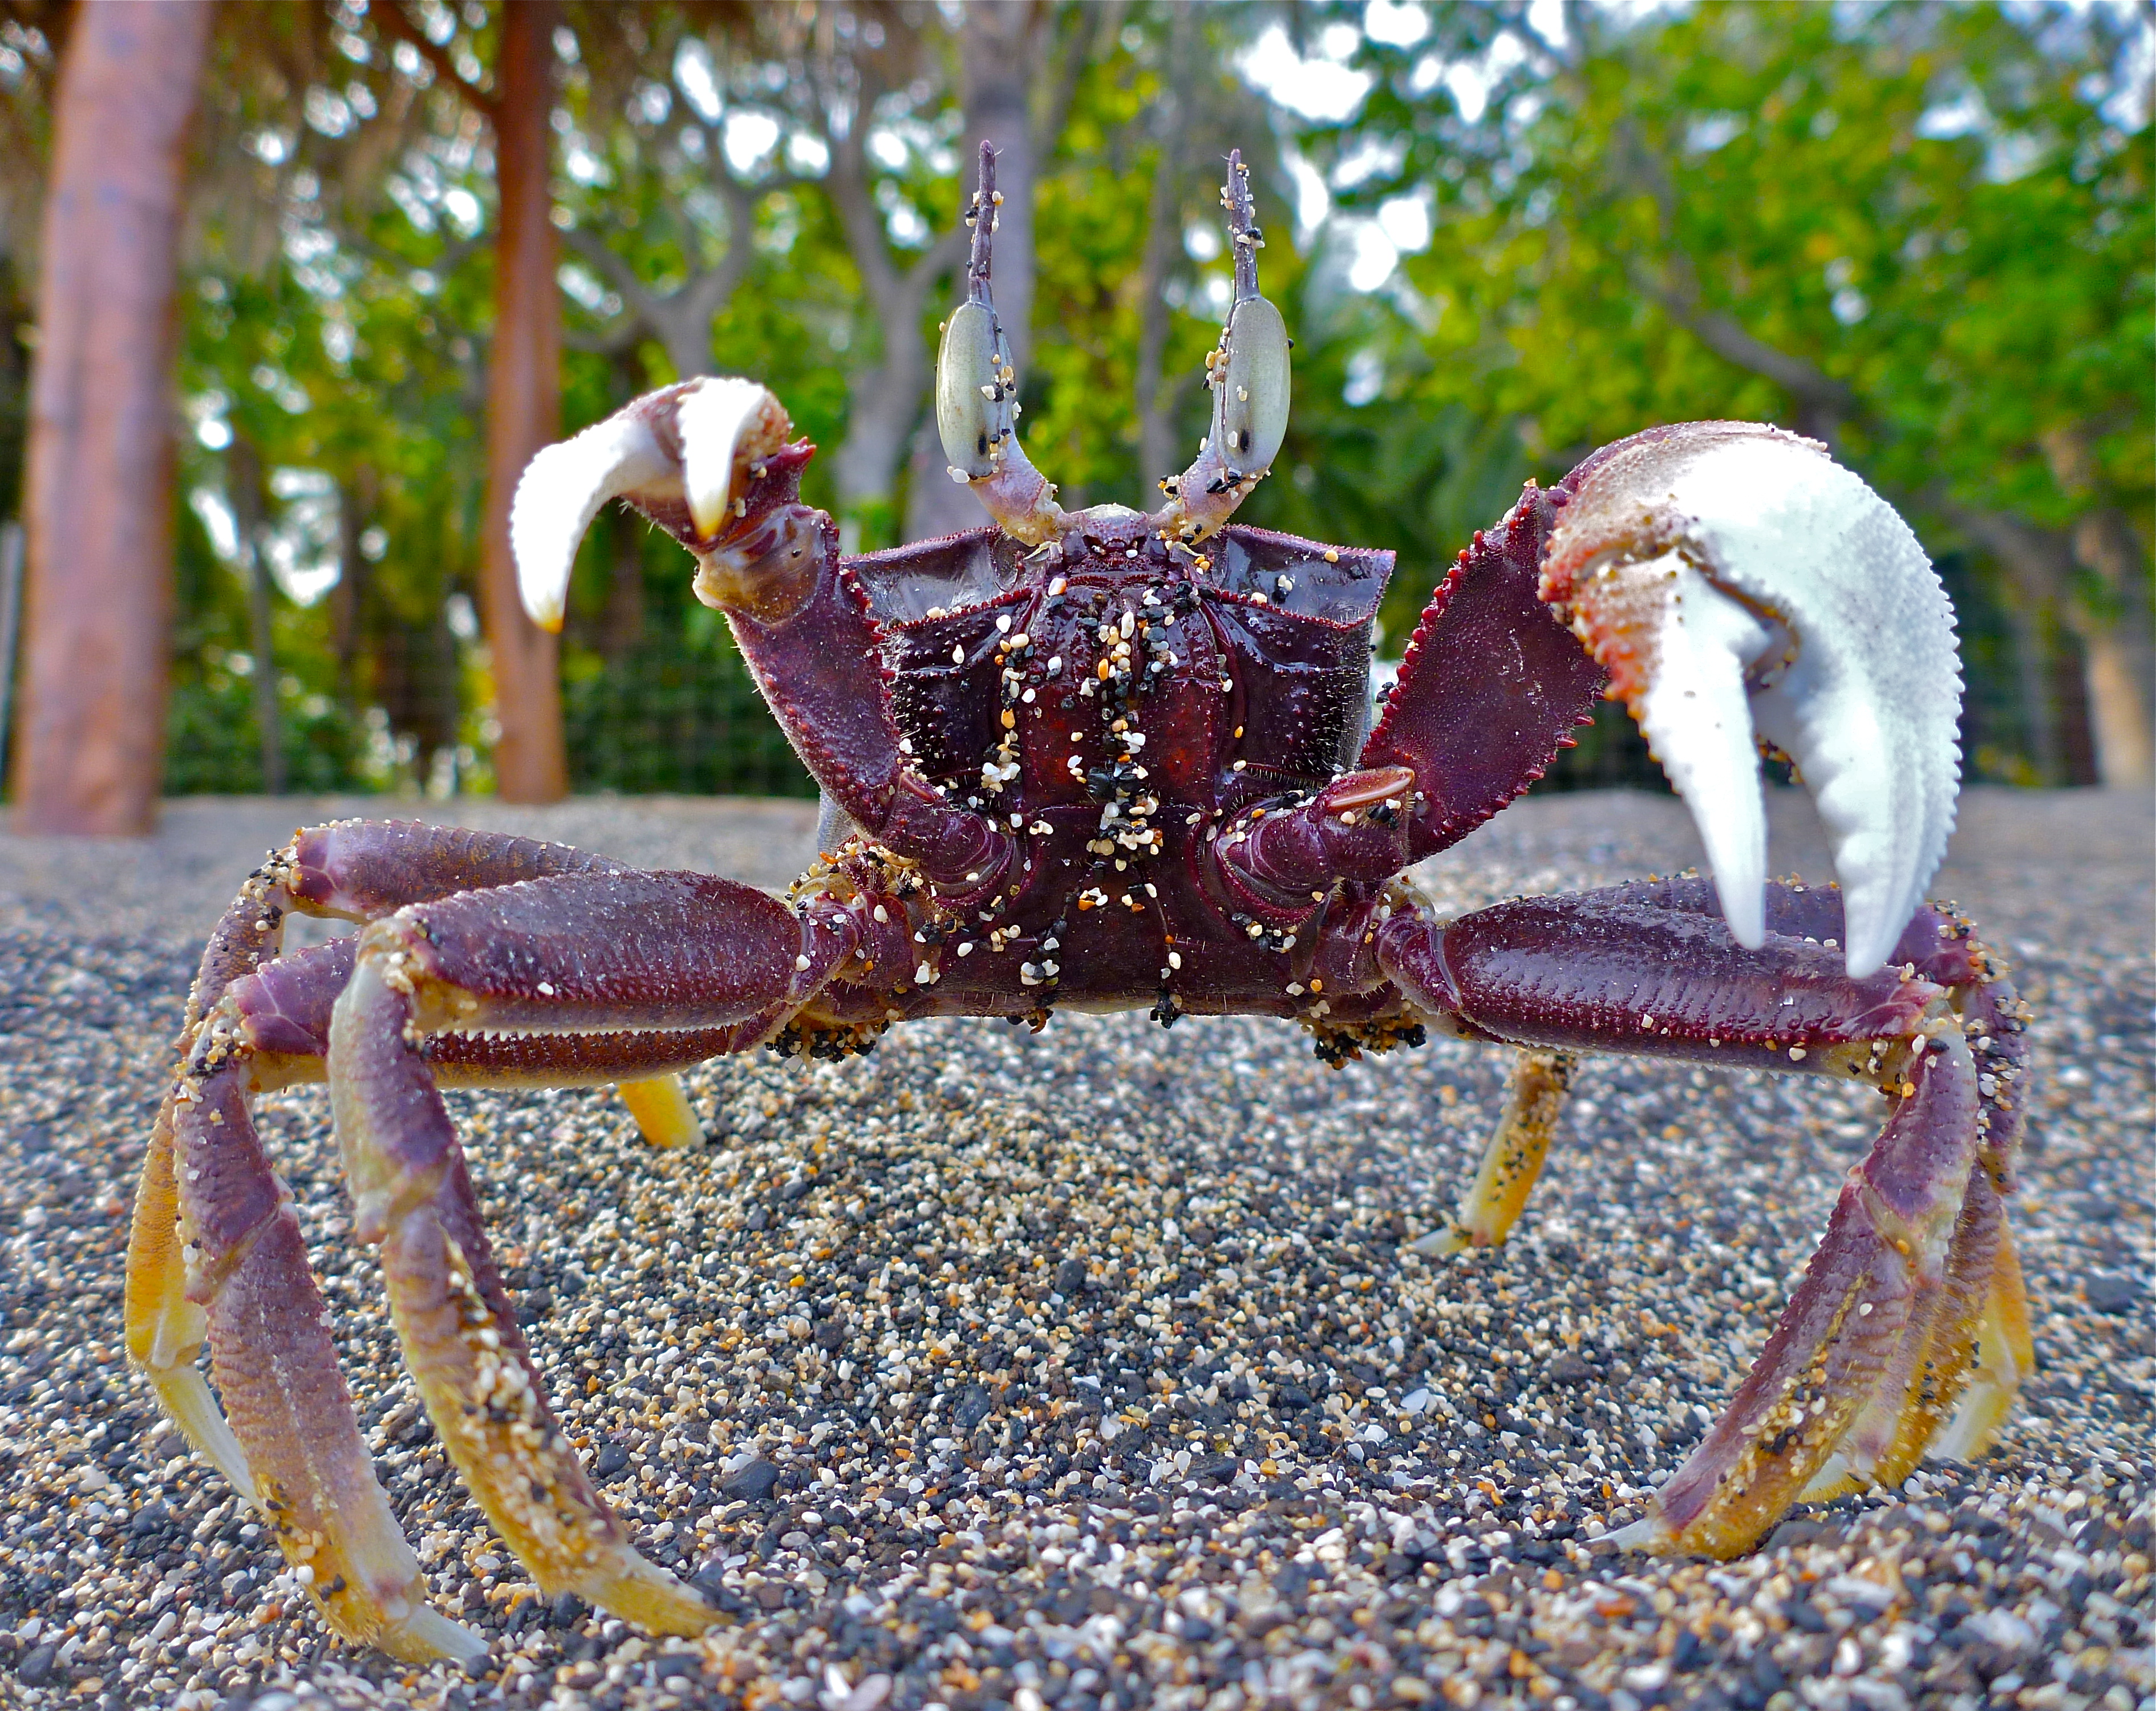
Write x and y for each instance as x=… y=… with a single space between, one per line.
x=390 y=15
x=1826 y=402
x=592 y=247
x=1727 y=339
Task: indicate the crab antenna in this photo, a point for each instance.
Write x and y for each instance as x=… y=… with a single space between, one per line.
x=1248 y=372
x=976 y=405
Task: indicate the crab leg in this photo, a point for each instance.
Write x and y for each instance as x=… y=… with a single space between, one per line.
x=1872 y=1349
x=602 y=954
x=214 y=1251
x=1512 y=1158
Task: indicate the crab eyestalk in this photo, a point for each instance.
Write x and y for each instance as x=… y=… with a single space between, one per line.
x=1249 y=373
x=977 y=406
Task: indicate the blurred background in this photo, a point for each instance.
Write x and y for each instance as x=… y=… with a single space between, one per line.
x=290 y=291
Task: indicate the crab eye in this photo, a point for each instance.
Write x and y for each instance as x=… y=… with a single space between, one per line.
x=1249 y=409
x=973 y=400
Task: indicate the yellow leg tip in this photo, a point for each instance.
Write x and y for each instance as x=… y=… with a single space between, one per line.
x=427 y=1636
x=641 y=1592
x=660 y=1106
x=1441 y=1243
x=185 y=1394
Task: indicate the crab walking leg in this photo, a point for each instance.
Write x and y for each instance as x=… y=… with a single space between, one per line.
x=356 y=869
x=660 y=1106
x=277 y=1371
x=1637 y=970
x=164 y=1330
x=1982 y=1309
x=2006 y=1355
x=652 y=950
x=361 y=870
x=1512 y=1158
x=213 y=1250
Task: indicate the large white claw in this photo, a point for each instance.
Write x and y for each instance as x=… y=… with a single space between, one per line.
x=561 y=492
x=1732 y=579
x=695 y=444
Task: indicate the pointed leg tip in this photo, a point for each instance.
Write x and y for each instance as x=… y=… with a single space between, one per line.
x=1438 y=1244
x=427 y=1636
x=1836 y=1478
x=1650 y=1532
x=653 y=1599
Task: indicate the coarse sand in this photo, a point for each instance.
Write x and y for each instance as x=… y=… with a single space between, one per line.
x=1092 y=1369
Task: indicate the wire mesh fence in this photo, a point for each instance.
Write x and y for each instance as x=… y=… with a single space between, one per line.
x=678 y=716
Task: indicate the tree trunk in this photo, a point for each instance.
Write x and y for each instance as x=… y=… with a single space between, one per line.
x=2122 y=658
x=997 y=50
x=98 y=486
x=524 y=401
x=355 y=503
x=243 y=473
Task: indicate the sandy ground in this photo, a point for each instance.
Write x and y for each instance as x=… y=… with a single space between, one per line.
x=855 y=1362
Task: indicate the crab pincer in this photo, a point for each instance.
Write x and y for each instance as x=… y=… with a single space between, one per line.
x=1738 y=585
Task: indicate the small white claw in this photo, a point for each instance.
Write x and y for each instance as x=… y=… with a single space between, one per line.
x=560 y=492
x=681 y=445
x=1730 y=575
x=713 y=418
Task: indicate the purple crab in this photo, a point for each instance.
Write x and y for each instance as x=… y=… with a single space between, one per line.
x=1109 y=760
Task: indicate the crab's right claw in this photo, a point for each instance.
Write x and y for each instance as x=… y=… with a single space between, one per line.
x=683 y=455
x=1732 y=579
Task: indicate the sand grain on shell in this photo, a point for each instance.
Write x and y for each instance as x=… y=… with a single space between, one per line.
x=1091 y=1368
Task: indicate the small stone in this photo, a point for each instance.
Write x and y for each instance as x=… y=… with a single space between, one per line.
x=611 y=1459
x=2111 y=1291
x=36 y=1668
x=752 y=1483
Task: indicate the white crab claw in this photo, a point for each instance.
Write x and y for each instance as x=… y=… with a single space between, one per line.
x=1732 y=579
x=685 y=444
x=561 y=491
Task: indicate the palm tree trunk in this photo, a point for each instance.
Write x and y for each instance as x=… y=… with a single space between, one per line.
x=524 y=401
x=99 y=481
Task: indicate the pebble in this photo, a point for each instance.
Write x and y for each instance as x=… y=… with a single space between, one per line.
x=1095 y=1369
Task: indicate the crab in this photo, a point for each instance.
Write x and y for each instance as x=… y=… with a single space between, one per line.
x=1105 y=760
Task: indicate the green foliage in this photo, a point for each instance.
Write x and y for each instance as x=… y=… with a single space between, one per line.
x=1922 y=231
x=1937 y=217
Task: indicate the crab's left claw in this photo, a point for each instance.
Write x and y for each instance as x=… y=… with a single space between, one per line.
x=682 y=455
x=1733 y=579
